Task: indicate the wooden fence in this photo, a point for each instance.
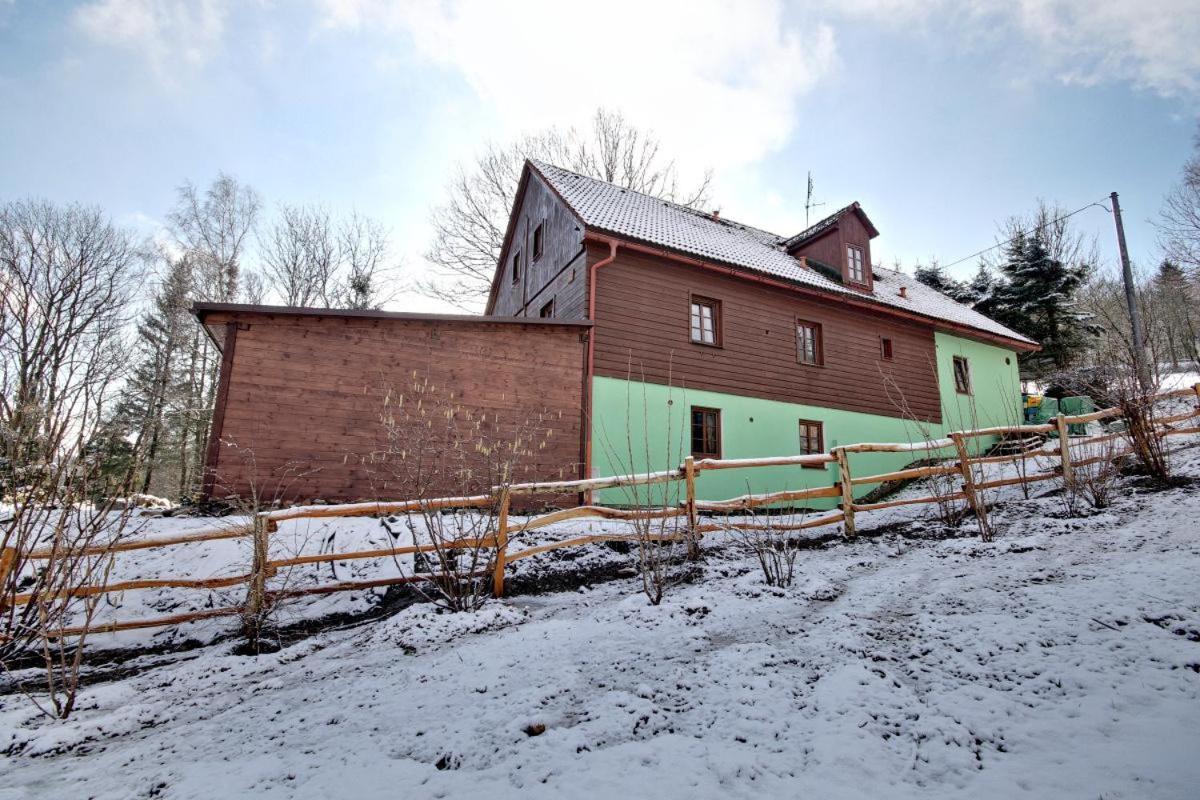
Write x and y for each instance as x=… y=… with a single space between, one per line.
x=263 y=524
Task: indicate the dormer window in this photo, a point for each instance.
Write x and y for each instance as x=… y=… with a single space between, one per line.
x=855 y=272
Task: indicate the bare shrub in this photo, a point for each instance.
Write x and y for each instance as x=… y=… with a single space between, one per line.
x=664 y=539
x=440 y=448
x=1095 y=478
x=771 y=539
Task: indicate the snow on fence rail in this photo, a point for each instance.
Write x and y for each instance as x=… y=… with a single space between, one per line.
x=261 y=525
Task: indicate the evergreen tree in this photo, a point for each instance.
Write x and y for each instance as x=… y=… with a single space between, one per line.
x=982 y=289
x=148 y=409
x=935 y=277
x=1038 y=298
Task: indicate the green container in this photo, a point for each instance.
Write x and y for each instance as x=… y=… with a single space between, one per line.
x=1069 y=406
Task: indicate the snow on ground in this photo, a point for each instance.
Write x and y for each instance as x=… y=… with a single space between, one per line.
x=1061 y=660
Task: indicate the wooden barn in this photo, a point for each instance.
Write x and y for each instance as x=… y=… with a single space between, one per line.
x=322 y=403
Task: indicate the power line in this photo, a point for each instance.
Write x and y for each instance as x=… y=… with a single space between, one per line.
x=1035 y=228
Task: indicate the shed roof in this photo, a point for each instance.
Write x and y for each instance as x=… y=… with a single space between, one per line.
x=203 y=310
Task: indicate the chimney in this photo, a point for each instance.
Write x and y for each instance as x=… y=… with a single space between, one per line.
x=716 y=215
x=904 y=291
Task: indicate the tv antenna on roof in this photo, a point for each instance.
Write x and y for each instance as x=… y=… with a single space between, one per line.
x=808 y=202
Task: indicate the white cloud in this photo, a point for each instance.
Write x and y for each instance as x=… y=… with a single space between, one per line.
x=717 y=81
x=1150 y=44
x=170 y=35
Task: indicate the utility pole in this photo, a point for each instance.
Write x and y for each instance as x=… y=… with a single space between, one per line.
x=1135 y=317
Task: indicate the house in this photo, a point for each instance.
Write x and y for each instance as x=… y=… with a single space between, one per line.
x=721 y=340
x=635 y=332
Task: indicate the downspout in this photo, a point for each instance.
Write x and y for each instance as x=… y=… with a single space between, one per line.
x=591 y=360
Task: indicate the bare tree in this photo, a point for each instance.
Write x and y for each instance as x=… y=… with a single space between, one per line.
x=310 y=260
x=213 y=226
x=300 y=256
x=366 y=263
x=469 y=226
x=67 y=276
x=1179 y=219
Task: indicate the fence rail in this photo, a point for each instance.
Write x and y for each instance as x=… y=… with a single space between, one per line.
x=260 y=526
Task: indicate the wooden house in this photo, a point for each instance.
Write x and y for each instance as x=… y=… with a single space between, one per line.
x=646 y=331
x=719 y=339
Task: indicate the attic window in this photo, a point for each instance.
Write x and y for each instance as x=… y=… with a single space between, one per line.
x=547 y=310
x=885 y=348
x=537 y=241
x=516 y=268
x=854 y=264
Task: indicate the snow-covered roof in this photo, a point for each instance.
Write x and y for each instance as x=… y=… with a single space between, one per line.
x=638 y=216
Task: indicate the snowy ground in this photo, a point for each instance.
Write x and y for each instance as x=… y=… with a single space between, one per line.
x=1062 y=660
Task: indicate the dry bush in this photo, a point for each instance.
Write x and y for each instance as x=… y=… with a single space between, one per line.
x=664 y=539
x=1095 y=482
x=771 y=539
x=437 y=447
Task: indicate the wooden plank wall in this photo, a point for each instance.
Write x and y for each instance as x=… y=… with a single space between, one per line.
x=558 y=274
x=642 y=307
x=305 y=399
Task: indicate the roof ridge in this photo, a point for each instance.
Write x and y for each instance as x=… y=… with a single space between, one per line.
x=540 y=164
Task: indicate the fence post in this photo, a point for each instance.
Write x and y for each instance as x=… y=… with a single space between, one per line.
x=501 y=545
x=7 y=557
x=693 y=518
x=1064 y=449
x=847 y=488
x=973 y=499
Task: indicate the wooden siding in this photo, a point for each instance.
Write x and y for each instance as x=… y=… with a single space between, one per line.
x=558 y=274
x=641 y=329
x=305 y=397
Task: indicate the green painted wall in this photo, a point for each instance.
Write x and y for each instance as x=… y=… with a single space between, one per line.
x=752 y=427
x=995 y=397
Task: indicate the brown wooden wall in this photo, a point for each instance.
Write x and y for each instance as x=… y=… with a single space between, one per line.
x=305 y=397
x=558 y=274
x=642 y=307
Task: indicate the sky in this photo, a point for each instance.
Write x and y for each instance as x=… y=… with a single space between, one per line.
x=943 y=118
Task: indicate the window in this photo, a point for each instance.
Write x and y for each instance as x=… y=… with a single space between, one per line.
x=812 y=440
x=547 y=310
x=854 y=264
x=706 y=432
x=885 y=348
x=706 y=321
x=537 y=242
x=962 y=375
x=516 y=269
x=808 y=343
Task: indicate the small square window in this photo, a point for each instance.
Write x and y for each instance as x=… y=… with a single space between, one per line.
x=962 y=375
x=516 y=268
x=885 y=348
x=705 y=324
x=855 y=270
x=812 y=440
x=706 y=432
x=547 y=310
x=537 y=241
x=808 y=343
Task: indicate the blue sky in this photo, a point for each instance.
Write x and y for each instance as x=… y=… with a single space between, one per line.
x=943 y=118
